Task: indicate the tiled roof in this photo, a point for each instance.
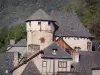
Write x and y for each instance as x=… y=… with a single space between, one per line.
x=39 y=15
x=60 y=53
x=88 y=60
x=6 y=62
x=31 y=69
x=69 y=24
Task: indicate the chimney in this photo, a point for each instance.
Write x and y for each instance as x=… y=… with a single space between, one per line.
x=12 y=42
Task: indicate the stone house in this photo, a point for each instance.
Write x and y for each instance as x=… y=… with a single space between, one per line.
x=57 y=44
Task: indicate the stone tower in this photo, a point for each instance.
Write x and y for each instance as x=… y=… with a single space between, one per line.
x=40 y=29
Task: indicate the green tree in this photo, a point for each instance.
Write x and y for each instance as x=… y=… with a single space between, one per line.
x=3 y=39
x=95 y=28
x=17 y=32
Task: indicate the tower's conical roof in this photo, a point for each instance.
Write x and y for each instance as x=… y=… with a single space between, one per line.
x=39 y=15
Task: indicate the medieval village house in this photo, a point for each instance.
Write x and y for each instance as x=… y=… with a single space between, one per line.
x=57 y=44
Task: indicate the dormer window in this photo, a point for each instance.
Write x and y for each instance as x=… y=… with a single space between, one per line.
x=39 y=23
x=54 y=51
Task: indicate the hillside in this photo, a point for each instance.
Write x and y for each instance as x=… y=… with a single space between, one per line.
x=16 y=11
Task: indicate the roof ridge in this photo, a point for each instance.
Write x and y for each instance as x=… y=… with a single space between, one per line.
x=40 y=14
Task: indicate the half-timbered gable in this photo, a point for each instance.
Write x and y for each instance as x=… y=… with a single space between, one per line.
x=64 y=45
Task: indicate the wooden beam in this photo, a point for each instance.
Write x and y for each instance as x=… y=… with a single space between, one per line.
x=24 y=62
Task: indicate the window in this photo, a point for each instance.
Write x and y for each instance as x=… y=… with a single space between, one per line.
x=74 y=38
x=89 y=45
x=62 y=64
x=77 y=38
x=30 y=23
x=68 y=37
x=31 y=48
x=96 y=71
x=67 y=50
x=65 y=37
x=77 y=48
x=39 y=23
x=44 y=64
x=42 y=40
x=49 y=23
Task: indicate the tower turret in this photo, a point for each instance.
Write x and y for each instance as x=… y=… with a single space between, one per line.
x=40 y=29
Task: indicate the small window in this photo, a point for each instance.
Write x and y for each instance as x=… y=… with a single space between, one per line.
x=65 y=37
x=39 y=23
x=68 y=37
x=44 y=64
x=74 y=38
x=31 y=48
x=67 y=50
x=42 y=40
x=89 y=45
x=49 y=23
x=62 y=64
x=30 y=23
x=77 y=48
x=77 y=38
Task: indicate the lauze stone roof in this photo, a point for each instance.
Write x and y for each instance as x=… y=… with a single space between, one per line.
x=6 y=62
x=31 y=69
x=39 y=15
x=88 y=60
x=68 y=23
x=60 y=53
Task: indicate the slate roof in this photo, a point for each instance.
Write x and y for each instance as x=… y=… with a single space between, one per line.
x=88 y=60
x=60 y=53
x=6 y=62
x=31 y=69
x=39 y=15
x=96 y=45
x=20 y=47
x=21 y=43
x=69 y=24
x=67 y=73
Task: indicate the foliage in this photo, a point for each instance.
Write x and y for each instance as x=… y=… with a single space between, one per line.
x=16 y=32
x=89 y=13
x=95 y=28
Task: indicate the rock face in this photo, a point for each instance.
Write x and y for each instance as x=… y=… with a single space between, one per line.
x=16 y=11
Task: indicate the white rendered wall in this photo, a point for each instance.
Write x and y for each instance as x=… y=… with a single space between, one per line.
x=35 y=32
x=21 y=50
x=95 y=72
x=50 y=66
x=15 y=62
x=77 y=42
x=35 y=27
